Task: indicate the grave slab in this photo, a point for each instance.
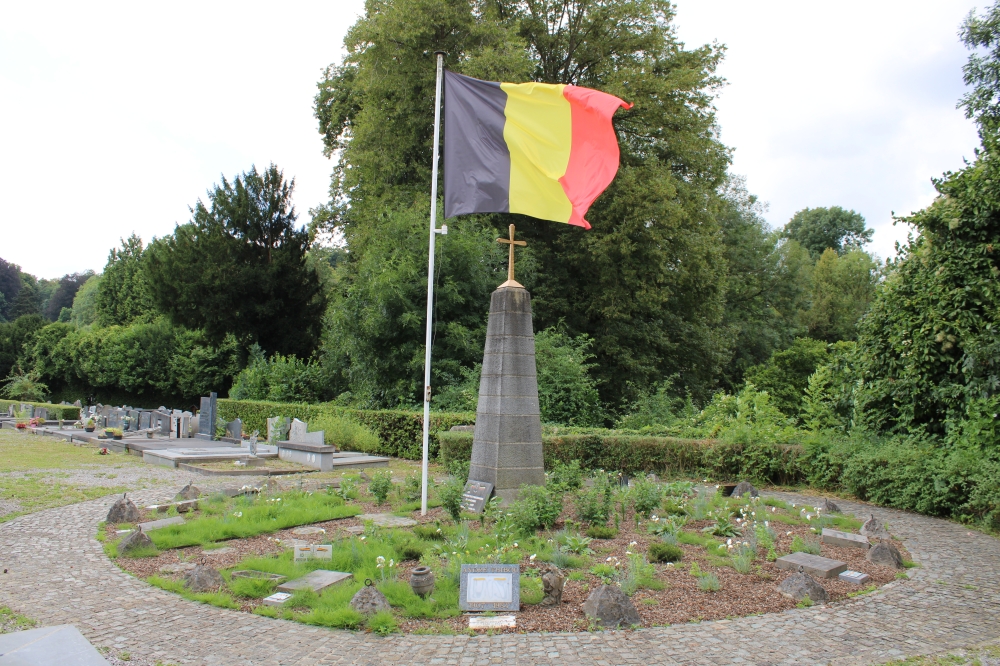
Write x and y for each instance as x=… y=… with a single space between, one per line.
x=171 y=457
x=845 y=539
x=387 y=520
x=317 y=580
x=814 y=565
x=498 y=622
x=856 y=577
x=61 y=644
x=157 y=524
x=305 y=531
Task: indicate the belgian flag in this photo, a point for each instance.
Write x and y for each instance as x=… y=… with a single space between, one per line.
x=538 y=149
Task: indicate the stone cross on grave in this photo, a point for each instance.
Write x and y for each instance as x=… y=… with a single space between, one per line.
x=510 y=262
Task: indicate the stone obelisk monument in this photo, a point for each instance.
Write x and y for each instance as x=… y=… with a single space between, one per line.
x=507 y=444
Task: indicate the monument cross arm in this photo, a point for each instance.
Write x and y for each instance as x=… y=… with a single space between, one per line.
x=510 y=262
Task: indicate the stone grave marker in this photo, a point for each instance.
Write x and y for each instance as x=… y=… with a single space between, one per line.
x=157 y=524
x=814 y=565
x=298 y=430
x=844 y=539
x=496 y=622
x=61 y=644
x=277 y=428
x=490 y=587
x=317 y=580
x=856 y=577
x=475 y=495
x=234 y=429
x=207 y=415
x=277 y=599
x=144 y=420
x=42 y=413
x=28 y=411
x=387 y=520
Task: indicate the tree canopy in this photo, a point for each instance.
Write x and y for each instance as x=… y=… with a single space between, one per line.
x=817 y=229
x=647 y=283
x=239 y=268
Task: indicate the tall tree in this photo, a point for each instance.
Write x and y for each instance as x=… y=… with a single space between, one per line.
x=647 y=282
x=817 y=229
x=123 y=294
x=239 y=267
x=10 y=284
x=28 y=298
x=64 y=294
x=842 y=289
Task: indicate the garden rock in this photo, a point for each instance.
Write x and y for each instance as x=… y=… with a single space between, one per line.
x=135 y=539
x=874 y=528
x=800 y=585
x=885 y=554
x=124 y=511
x=828 y=506
x=609 y=607
x=369 y=601
x=552 y=583
x=188 y=492
x=203 y=579
x=744 y=487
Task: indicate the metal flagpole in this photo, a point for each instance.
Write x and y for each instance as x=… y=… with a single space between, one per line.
x=430 y=280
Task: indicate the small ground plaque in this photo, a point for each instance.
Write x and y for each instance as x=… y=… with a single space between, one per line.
x=315 y=581
x=814 y=565
x=845 y=539
x=856 y=577
x=475 y=495
x=157 y=524
x=313 y=552
x=277 y=599
x=387 y=520
x=490 y=587
x=497 y=622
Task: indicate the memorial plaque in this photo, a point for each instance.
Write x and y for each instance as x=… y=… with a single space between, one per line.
x=856 y=577
x=490 y=587
x=475 y=495
x=207 y=415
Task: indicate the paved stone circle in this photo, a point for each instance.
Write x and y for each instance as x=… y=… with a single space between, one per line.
x=58 y=573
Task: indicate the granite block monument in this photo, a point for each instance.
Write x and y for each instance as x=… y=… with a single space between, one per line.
x=507 y=441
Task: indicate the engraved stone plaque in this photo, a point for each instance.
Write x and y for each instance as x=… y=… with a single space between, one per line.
x=490 y=587
x=475 y=495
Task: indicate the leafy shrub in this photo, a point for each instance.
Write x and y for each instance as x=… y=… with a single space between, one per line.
x=547 y=503
x=450 y=495
x=412 y=487
x=344 y=433
x=594 y=504
x=280 y=379
x=579 y=545
x=380 y=485
x=646 y=496
x=382 y=623
x=601 y=532
x=606 y=572
x=566 y=475
x=664 y=552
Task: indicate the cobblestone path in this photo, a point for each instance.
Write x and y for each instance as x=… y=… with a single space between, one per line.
x=57 y=573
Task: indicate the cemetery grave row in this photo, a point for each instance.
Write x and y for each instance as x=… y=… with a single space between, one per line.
x=356 y=554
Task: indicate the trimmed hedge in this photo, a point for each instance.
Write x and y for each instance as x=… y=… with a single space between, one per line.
x=633 y=454
x=56 y=412
x=400 y=433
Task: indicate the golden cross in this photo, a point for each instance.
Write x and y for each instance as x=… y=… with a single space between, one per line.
x=510 y=262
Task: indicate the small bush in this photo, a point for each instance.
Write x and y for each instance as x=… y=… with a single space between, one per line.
x=381 y=485
x=593 y=505
x=646 y=496
x=410 y=551
x=450 y=496
x=568 y=476
x=708 y=582
x=548 y=503
x=664 y=552
x=601 y=532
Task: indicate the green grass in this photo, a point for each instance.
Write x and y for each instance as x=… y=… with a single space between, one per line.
x=247 y=517
x=220 y=599
x=12 y=621
x=707 y=542
x=531 y=590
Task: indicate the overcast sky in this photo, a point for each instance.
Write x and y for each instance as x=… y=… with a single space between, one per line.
x=116 y=117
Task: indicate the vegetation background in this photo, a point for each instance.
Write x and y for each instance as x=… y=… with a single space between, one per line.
x=681 y=313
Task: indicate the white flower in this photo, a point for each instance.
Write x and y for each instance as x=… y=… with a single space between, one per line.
x=454 y=552
x=774 y=509
x=238 y=514
x=739 y=520
x=729 y=542
x=532 y=558
x=391 y=564
x=808 y=516
x=515 y=544
x=706 y=480
x=655 y=519
x=716 y=486
x=793 y=506
x=632 y=543
x=608 y=560
x=628 y=552
x=363 y=537
x=753 y=513
x=766 y=524
x=788 y=534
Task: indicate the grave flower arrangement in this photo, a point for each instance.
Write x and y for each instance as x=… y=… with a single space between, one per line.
x=115 y=433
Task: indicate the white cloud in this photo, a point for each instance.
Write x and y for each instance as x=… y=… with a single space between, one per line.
x=849 y=104
x=118 y=116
